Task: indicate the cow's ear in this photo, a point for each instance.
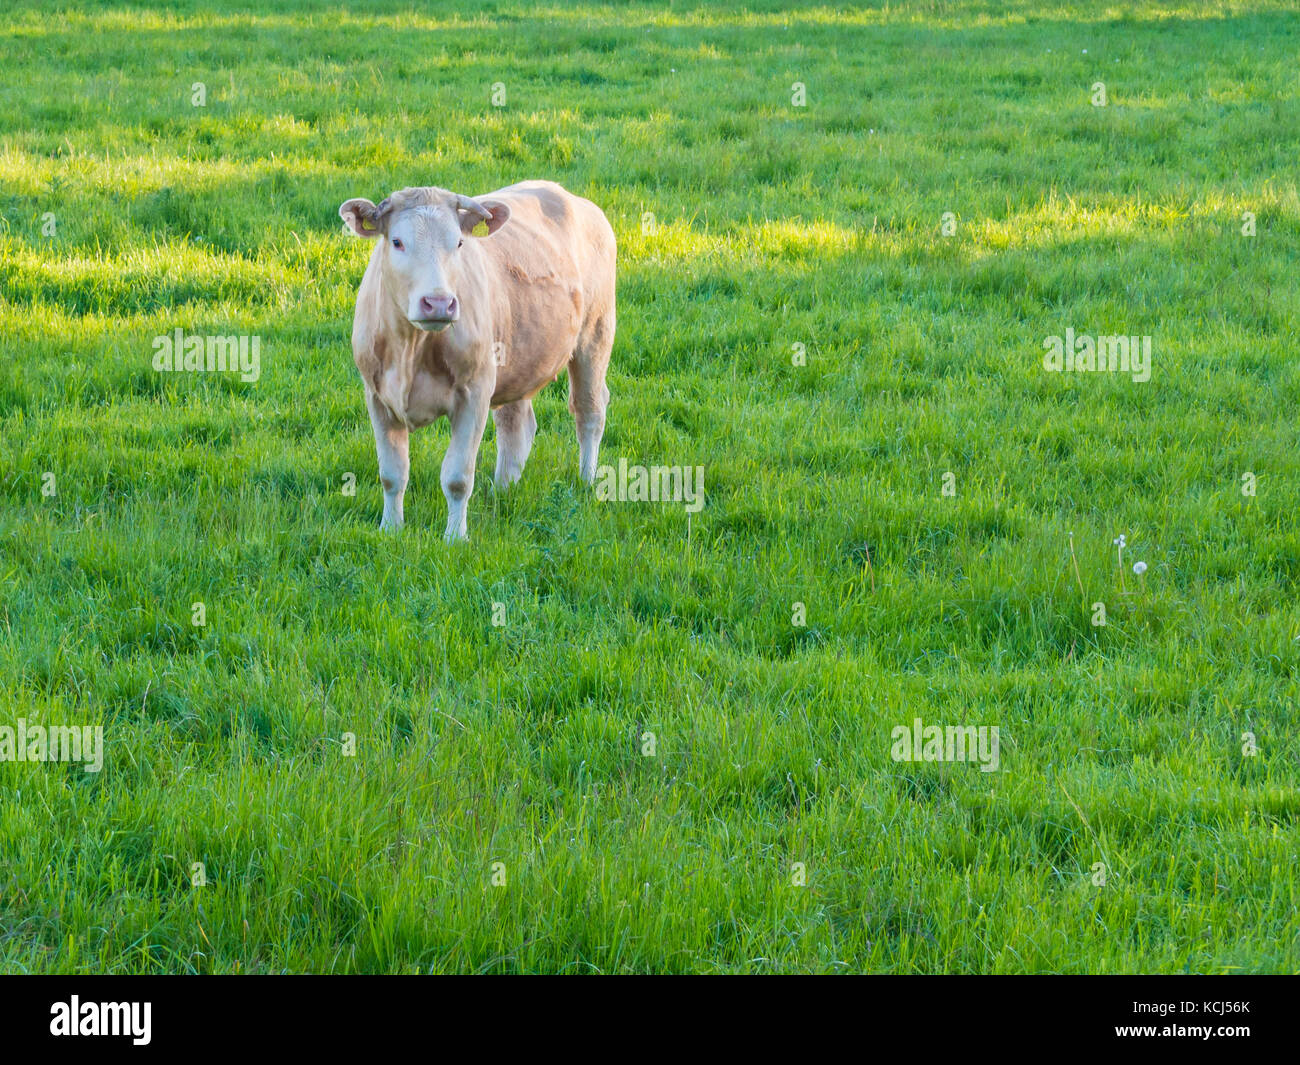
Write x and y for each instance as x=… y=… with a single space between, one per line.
x=479 y=227
x=364 y=218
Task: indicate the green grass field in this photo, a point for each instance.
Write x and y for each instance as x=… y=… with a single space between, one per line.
x=498 y=812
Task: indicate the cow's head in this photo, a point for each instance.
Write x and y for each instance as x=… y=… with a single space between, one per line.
x=423 y=232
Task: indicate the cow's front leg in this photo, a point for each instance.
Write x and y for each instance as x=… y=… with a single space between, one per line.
x=469 y=413
x=516 y=427
x=392 y=443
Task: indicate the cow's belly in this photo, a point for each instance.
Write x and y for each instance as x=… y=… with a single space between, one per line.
x=531 y=371
x=547 y=316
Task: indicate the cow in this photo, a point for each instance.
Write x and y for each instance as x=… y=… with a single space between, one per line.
x=471 y=304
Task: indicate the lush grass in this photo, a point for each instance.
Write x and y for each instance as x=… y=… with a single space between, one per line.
x=521 y=744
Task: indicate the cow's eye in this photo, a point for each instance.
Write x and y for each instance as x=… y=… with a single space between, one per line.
x=397 y=244
x=460 y=243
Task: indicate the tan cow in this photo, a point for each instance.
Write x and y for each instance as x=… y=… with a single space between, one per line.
x=476 y=304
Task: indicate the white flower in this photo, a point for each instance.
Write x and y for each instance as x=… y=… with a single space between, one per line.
x=1139 y=568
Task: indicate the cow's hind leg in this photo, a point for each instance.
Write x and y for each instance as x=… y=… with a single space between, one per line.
x=588 y=395
x=516 y=426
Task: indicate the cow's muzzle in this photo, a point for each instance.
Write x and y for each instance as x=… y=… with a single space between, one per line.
x=435 y=313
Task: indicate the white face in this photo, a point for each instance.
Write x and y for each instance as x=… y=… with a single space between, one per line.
x=422 y=268
x=422 y=234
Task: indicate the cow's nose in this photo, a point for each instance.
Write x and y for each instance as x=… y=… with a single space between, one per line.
x=438 y=308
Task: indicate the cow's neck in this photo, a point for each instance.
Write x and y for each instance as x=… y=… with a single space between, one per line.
x=450 y=357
